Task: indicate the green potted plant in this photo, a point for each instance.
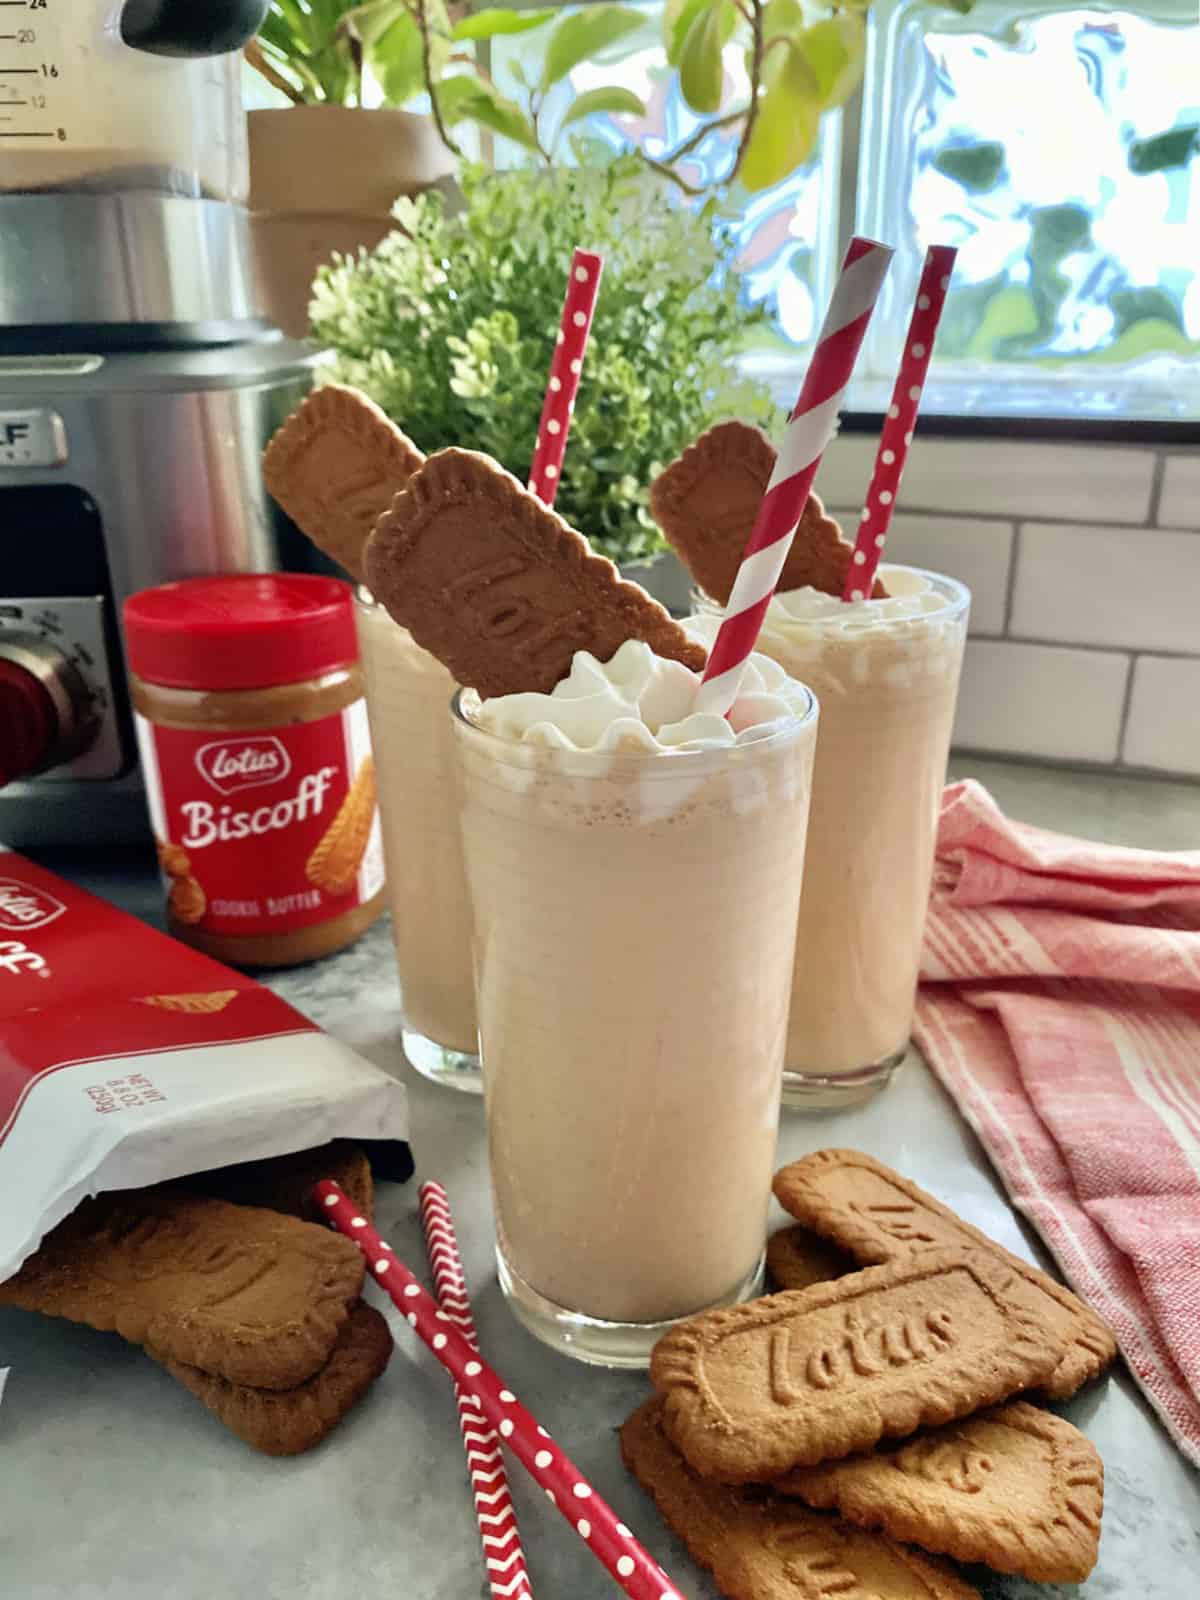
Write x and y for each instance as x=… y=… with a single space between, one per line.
x=325 y=168
x=327 y=163
x=802 y=59
x=450 y=325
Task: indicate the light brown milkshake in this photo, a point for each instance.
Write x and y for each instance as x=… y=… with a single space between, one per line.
x=408 y=695
x=635 y=905
x=886 y=674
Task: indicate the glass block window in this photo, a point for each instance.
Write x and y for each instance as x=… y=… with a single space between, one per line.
x=785 y=235
x=1058 y=146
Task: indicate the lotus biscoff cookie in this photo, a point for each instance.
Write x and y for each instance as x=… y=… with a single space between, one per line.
x=815 y=1374
x=499 y=588
x=767 y=1549
x=706 y=502
x=243 y=1293
x=875 y=1214
x=285 y=1422
x=1016 y=1487
x=334 y=467
x=797 y=1258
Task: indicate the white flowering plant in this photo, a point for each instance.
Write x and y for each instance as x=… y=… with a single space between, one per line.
x=450 y=326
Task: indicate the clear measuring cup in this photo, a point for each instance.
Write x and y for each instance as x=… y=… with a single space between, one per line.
x=120 y=95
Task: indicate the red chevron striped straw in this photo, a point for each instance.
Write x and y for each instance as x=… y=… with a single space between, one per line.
x=810 y=427
x=498 y=1531
x=568 y=1490
x=582 y=287
x=900 y=421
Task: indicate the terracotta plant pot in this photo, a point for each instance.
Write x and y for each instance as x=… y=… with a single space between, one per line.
x=323 y=178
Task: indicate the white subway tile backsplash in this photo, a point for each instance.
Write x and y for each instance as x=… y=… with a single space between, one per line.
x=1030 y=699
x=1180 y=503
x=1000 y=477
x=975 y=552
x=1163 y=730
x=1133 y=587
x=846 y=471
x=1062 y=531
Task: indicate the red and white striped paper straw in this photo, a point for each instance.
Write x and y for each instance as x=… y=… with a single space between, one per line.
x=900 y=421
x=498 y=1531
x=610 y=1541
x=810 y=427
x=559 y=405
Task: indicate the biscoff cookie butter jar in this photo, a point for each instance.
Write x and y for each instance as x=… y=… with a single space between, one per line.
x=256 y=754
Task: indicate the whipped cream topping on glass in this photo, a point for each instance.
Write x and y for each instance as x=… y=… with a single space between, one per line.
x=838 y=645
x=639 y=701
x=910 y=594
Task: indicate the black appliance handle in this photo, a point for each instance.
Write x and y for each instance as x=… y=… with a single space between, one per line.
x=191 y=27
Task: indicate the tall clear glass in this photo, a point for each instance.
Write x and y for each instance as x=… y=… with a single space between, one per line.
x=887 y=681
x=408 y=691
x=635 y=919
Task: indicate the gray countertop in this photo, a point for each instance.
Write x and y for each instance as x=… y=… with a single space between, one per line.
x=115 y=1485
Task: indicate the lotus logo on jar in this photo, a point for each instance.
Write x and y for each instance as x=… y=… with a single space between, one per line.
x=233 y=764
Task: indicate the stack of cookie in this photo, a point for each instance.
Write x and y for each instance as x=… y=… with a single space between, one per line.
x=230 y=1284
x=876 y=1386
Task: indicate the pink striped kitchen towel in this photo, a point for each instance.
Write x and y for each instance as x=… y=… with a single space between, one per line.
x=1060 y=1006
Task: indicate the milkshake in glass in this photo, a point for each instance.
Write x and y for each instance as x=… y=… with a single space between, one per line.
x=635 y=871
x=886 y=674
x=408 y=693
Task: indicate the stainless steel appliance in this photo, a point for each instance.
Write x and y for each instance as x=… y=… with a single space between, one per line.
x=138 y=382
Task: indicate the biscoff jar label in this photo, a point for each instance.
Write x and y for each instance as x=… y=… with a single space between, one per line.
x=264 y=831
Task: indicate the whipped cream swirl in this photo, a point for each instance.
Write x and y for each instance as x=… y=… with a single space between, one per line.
x=639 y=701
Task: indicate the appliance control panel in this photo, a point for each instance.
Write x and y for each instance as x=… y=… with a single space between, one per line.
x=56 y=680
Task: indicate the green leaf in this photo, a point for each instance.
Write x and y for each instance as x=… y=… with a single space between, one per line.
x=397 y=62
x=678 y=16
x=285 y=34
x=701 y=74
x=324 y=17
x=585 y=34
x=835 y=49
x=476 y=101
x=455 y=94
x=611 y=98
x=782 y=19
x=374 y=19
x=500 y=20
x=789 y=115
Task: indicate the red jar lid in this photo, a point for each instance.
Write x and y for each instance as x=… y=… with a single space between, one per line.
x=243 y=631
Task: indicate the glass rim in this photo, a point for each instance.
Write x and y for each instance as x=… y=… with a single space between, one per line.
x=667 y=761
x=955 y=594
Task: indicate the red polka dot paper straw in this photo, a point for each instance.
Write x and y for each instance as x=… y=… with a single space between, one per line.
x=810 y=427
x=498 y=1532
x=900 y=421
x=610 y=1541
x=559 y=405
